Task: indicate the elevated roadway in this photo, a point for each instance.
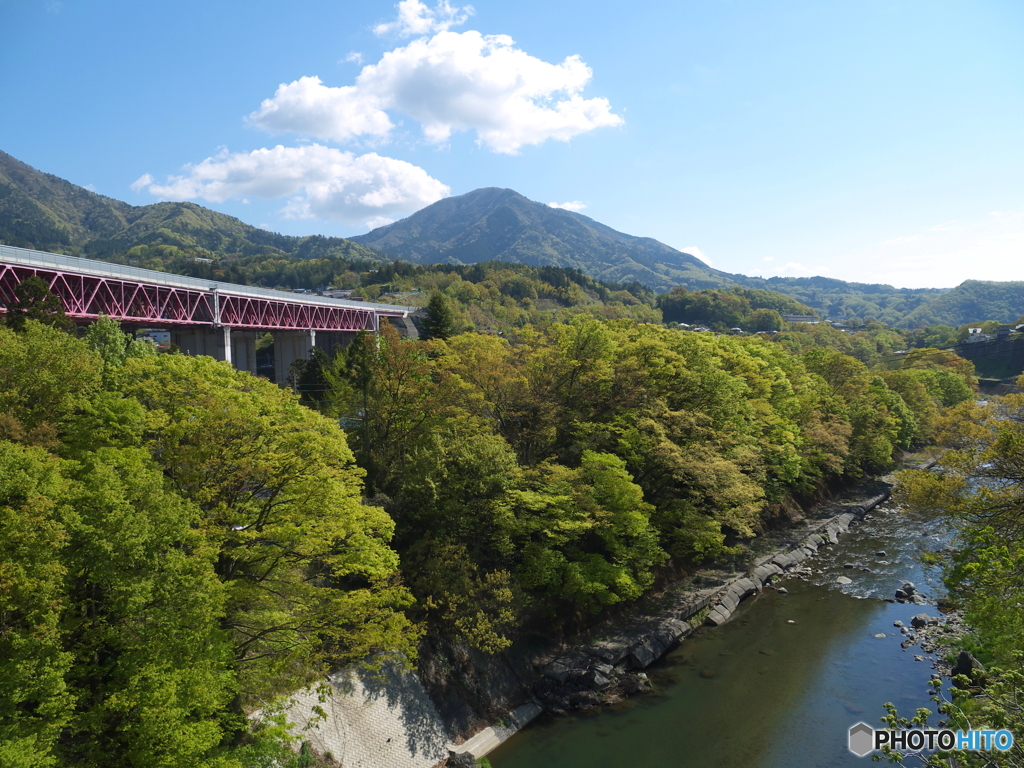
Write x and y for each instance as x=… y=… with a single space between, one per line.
x=204 y=316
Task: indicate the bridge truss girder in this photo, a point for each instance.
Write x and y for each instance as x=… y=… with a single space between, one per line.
x=87 y=297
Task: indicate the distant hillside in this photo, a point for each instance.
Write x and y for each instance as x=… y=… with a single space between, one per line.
x=840 y=300
x=971 y=301
x=42 y=211
x=500 y=224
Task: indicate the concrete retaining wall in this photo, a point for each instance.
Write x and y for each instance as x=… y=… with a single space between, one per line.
x=384 y=721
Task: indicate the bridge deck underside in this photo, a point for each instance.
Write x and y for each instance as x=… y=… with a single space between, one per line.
x=86 y=297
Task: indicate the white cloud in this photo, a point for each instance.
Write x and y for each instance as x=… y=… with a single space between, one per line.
x=572 y=205
x=415 y=18
x=449 y=82
x=308 y=107
x=987 y=247
x=380 y=221
x=321 y=182
x=354 y=57
x=141 y=183
x=698 y=253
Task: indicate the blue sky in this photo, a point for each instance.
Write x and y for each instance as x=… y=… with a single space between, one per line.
x=871 y=141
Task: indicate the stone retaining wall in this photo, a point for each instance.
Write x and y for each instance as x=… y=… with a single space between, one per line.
x=770 y=566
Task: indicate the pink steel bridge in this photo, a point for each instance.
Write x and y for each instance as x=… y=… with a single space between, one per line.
x=89 y=289
x=205 y=317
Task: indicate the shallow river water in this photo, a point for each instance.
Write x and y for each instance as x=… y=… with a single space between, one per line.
x=760 y=692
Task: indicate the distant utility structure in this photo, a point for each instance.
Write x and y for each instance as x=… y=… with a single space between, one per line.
x=204 y=317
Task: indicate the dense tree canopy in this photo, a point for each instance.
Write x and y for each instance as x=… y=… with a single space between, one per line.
x=561 y=466
x=180 y=542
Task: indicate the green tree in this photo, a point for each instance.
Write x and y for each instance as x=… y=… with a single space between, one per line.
x=979 y=488
x=152 y=674
x=46 y=377
x=308 y=569
x=193 y=544
x=35 y=702
x=390 y=390
x=586 y=535
x=440 y=320
x=311 y=382
x=33 y=300
x=764 y=320
x=106 y=339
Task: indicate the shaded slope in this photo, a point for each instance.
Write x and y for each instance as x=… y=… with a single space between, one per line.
x=39 y=210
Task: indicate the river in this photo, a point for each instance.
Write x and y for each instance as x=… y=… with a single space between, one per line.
x=780 y=684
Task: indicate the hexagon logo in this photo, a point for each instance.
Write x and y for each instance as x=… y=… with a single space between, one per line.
x=862 y=739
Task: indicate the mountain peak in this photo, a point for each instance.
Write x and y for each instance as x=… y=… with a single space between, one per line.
x=499 y=224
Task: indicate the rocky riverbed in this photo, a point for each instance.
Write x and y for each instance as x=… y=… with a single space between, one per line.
x=611 y=667
x=842 y=629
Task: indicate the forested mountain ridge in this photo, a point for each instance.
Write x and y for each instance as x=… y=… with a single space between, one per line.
x=47 y=213
x=841 y=300
x=500 y=224
x=42 y=211
x=974 y=301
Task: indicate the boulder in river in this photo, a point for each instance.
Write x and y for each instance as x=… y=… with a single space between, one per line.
x=596 y=681
x=843 y=580
x=630 y=684
x=923 y=620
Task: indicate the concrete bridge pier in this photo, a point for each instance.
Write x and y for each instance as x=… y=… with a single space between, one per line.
x=243 y=350
x=288 y=347
x=333 y=342
x=215 y=342
x=237 y=347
